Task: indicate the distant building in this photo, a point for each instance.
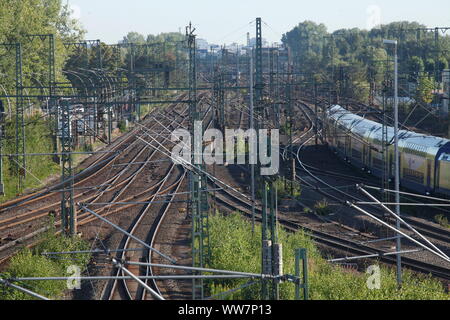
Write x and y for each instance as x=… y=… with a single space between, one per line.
x=202 y=44
x=265 y=43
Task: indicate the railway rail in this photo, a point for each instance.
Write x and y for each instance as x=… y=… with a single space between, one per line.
x=337 y=195
x=243 y=204
x=147 y=225
x=23 y=220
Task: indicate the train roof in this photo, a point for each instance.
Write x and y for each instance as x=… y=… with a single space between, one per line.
x=362 y=126
x=353 y=122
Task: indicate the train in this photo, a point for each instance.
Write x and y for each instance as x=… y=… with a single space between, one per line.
x=424 y=160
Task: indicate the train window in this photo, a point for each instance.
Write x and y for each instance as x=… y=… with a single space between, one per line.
x=413 y=175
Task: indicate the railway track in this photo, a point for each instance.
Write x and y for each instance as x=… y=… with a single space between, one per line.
x=238 y=203
x=147 y=225
x=21 y=222
x=337 y=195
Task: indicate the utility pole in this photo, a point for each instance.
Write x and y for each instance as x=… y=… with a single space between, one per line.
x=19 y=158
x=290 y=112
x=269 y=238
x=20 y=123
x=316 y=125
x=197 y=181
x=52 y=89
x=290 y=69
x=252 y=127
x=68 y=214
x=397 y=161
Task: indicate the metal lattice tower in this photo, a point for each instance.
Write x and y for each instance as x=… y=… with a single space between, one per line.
x=269 y=289
x=52 y=85
x=197 y=182
x=20 y=123
x=67 y=206
x=259 y=84
x=385 y=143
x=219 y=98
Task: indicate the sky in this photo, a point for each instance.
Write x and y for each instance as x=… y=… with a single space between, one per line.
x=228 y=21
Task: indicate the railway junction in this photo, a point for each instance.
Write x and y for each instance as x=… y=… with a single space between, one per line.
x=181 y=138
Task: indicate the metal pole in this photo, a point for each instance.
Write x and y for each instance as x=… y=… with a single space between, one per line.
x=397 y=171
x=397 y=160
x=20 y=123
x=301 y=254
x=186 y=268
x=31 y=293
x=401 y=220
x=252 y=127
x=162 y=278
x=68 y=211
x=95 y=251
x=304 y=256
x=397 y=231
x=373 y=256
x=142 y=283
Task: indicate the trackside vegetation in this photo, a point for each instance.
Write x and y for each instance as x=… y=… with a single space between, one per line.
x=234 y=247
x=32 y=263
x=38 y=140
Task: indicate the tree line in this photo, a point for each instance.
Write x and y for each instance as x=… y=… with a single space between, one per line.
x=353 y=58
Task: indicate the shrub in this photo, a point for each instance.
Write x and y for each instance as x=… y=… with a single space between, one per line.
x=322 y=208
x=27 y=264
x=57 y=243
x=32 y=263
x=234 y=247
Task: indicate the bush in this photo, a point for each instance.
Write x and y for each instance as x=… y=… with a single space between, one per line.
x=284 y=189
x=32 y=263
x=234 y=247
x=27 y=264
x=323 y=208
x=56 y=243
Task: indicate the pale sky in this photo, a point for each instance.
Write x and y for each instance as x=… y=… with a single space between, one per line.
x=227 y=21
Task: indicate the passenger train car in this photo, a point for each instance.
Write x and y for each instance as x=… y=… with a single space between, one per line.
x=424 y=160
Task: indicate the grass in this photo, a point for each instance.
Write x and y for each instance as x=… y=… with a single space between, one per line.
x=234 y=247
x=323 y=208
x=31 y=263
x=442 y=220
x=284 y=189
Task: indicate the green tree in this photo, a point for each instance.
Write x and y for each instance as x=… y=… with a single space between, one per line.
x=134 y=37
x=424 y=91
x=415 y=67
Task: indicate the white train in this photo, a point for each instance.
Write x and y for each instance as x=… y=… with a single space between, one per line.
x=424 y=160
